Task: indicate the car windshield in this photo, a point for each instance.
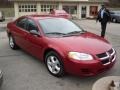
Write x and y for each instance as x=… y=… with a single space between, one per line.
x=59 y=26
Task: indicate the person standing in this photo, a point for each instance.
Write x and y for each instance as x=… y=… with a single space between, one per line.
x=103 y=17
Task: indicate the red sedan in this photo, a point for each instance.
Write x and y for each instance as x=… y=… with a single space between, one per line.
x=62 y=45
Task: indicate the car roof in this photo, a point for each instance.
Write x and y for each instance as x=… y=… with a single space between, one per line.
x=60 y=11
x=41 y=17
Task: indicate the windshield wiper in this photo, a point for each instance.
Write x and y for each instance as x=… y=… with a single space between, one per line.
x=56 y=33
x=76 y=32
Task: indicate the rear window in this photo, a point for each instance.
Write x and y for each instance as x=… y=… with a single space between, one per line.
x=60 y=12
x=111 y=12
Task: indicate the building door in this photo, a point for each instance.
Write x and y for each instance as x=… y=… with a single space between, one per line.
x=93 y=11
x=83 y=12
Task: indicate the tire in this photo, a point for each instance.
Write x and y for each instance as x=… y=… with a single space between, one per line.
x=114 y=20
x=12 y=43
x=54 y=64
x=1 y=78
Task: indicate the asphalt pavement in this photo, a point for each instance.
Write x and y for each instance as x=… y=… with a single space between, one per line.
x=24 y=72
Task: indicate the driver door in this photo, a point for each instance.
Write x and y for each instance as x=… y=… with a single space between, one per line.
x=34 y=42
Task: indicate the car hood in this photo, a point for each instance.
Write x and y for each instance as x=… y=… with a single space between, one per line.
x=85 y=43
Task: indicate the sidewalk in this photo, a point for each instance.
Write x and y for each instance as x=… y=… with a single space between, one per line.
x=103 y=83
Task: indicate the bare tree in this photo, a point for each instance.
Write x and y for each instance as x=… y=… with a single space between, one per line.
x=114 y=3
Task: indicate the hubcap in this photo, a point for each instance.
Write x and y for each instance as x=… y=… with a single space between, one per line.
x=114 y=20
x=53 y=64
x=11 y=42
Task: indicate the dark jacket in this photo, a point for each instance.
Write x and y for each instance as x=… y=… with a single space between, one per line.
x=106 y=16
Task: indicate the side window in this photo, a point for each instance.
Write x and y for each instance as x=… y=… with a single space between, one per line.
x=22 y=23
x=112 y=13
x=31 y=25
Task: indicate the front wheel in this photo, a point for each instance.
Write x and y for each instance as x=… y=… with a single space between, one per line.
x=54 y=64
x=12 y=43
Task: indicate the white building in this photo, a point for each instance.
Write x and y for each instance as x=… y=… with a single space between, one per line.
x=77 y=8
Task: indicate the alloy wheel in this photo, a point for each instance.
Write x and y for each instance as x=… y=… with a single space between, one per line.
x=53 y=64
x=11 y=42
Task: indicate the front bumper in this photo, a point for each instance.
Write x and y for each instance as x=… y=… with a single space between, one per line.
x=87 y=68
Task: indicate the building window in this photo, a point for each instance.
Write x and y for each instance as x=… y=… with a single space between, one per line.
x=70 y=9
x=47 y=7
x=93 y=10
x=27 y=8
x=73 y=10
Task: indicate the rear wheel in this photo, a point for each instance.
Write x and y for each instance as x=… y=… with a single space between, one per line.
x=1 y=78
x=12 y=43
x=54 y=64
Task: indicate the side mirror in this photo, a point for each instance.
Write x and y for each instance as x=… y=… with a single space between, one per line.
x=34 y=32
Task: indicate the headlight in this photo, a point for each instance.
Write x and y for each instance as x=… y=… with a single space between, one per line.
x=80 y=56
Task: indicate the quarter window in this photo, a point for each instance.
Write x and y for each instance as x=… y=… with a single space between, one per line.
x=27 y=8
x=22 y=23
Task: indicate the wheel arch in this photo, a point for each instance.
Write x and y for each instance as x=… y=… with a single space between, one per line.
x=54 y=50
x=8 y=34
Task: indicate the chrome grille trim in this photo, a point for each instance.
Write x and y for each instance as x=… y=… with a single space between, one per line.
x=107 y=55
x=107 y=63
x=113 y=52
x=114 y=58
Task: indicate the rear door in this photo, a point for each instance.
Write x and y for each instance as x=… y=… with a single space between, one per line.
x=21 y=32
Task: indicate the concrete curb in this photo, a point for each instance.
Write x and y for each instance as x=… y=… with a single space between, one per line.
x=103 y=83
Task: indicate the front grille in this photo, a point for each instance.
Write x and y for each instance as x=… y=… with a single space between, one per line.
x=102 y=55
x=107 y=57
x=105 y=61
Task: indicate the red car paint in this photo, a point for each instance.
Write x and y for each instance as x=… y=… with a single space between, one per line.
x=60 y=13
x=85 y=43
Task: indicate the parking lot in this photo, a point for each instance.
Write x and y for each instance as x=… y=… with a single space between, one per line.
x=24 y=72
